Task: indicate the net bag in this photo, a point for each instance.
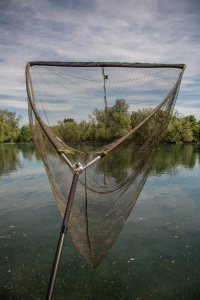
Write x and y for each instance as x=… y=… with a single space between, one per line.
x=107 y=122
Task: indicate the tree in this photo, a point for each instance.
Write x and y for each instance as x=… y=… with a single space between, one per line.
x=68 y=120
x=116 y=120
x=9 y=126
x=25 y=134
x=68 y=131
x=179 y=130
x=138 y=116
x=84 y=130
x=195 y=127
x=191 y=119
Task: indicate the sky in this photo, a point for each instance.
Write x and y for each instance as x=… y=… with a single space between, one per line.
x=146 y=31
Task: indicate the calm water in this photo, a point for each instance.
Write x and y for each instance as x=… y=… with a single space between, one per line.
x=156 y=255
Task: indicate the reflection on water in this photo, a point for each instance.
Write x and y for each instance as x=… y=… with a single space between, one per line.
x=172 y=157
x=155 y=256
x=168 y=161
x=9 y=159
x=11 y=156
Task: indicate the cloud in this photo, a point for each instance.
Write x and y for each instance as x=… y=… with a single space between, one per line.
x=145 y=31
x=187 y=111
x=14 y=104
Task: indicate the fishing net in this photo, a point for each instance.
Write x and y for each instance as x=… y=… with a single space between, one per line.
x=118 y=112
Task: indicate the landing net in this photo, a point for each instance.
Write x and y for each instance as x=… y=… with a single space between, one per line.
x=82 y=110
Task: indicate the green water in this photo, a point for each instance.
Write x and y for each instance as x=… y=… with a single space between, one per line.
x=156 y=255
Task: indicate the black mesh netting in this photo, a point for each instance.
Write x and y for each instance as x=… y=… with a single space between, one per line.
x=85 y=109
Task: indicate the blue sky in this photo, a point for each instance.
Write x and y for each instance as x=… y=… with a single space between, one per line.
x=152 y=31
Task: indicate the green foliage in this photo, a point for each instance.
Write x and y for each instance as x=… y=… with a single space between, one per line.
x=68 y=120
x=25 y=134
x=148 y=129
x=195 y=127
x=68 y=131
x=9 y=126
x=196 y=131
x=84 y=130
x=179 y=130
x=138 y=116
x=117 y=121
x=191 y=119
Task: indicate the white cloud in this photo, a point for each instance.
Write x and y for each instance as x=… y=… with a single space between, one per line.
x=145 y=31
x=8 y=103
x=187 y=111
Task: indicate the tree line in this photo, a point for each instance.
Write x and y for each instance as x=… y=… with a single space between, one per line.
x=103 y=125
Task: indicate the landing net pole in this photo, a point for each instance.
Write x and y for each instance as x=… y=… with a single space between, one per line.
x=63 y=231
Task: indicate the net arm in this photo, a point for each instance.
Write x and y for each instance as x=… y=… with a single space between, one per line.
x=93 y=161
x=66 y=160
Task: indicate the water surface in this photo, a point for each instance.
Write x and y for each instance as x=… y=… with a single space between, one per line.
x=156 y=255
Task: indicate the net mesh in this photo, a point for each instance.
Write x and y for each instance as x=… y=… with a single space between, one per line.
x=84 y=109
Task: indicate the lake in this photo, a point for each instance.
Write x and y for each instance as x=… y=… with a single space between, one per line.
x=156 y=255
